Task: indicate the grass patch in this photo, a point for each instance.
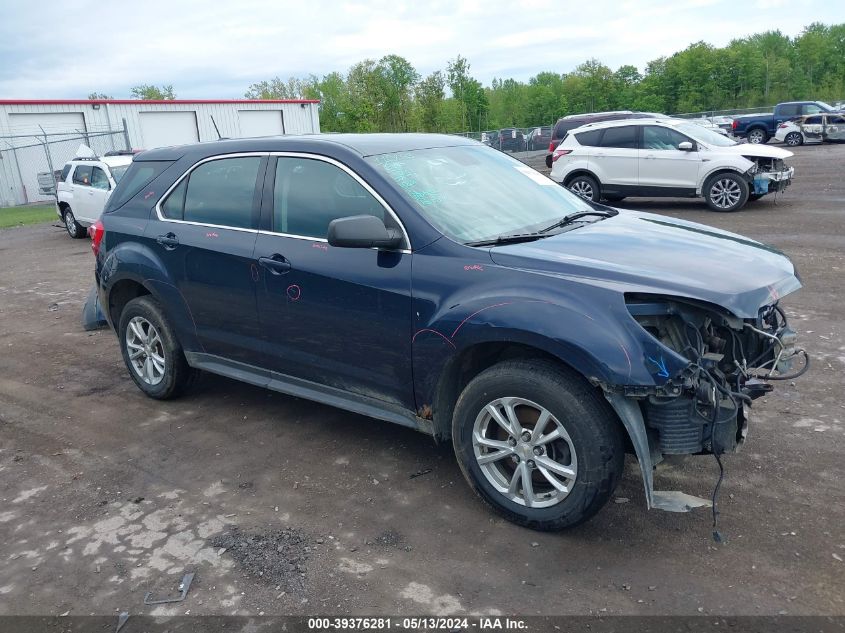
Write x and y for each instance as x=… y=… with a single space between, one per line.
x=20 y=216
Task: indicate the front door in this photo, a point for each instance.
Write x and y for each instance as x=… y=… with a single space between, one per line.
x=663 y=168
x=97 y=195
x=339 y=317
x=204 y=231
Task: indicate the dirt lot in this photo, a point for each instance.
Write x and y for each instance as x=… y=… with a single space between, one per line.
x=282 y=506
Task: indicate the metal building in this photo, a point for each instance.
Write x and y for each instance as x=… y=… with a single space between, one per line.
x=37 y=137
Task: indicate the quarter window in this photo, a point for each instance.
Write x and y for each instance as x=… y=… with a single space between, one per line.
x=661 y=138
x=308 y=194
x=220 y=192
x=791 y=109
x=624 y=137
x=82 y=175
x=589 y=139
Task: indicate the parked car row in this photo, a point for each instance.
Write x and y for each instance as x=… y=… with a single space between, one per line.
x=514 y=139
x=759 y=128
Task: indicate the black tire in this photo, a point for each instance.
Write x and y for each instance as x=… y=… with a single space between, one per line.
x=757 y=135
x=585 y=186
x=177 y=376
x=594 y=432
x=614 y=198
x=74 y=228
x=716 y=188
x=793 y=139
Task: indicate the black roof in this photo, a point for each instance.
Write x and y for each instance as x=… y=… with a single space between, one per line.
x=362 y=144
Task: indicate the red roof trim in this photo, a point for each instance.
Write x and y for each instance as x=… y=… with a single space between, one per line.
x=140 y=101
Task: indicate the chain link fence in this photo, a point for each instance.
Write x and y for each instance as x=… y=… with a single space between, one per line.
x=31 y=162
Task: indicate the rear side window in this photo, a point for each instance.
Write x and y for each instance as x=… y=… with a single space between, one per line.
x=813 y=120
x=624 y=137
x=791 y=109
x=589 y=139
x=563 y=127
x=219 y=192
x=82 y=175
x=66 y=171
x=138 y=176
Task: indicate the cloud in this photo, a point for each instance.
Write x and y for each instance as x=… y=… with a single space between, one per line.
x=218 y=49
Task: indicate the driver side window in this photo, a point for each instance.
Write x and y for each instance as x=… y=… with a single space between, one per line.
x=661 y=138
x=308 y=194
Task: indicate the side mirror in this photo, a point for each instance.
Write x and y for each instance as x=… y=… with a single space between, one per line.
x=685 y=146
x=362 y=231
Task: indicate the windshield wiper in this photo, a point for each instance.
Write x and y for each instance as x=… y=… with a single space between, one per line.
x=507 y=239
x=572 y=217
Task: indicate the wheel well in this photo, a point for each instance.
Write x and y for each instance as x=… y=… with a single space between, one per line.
x=579 y=172
x=718 y=172
x=63 y=205
x=122 y=293
x=762 y=128
x=461 y=369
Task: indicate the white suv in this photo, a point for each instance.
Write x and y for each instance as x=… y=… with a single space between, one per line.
x=667 y=157
x=84 y=187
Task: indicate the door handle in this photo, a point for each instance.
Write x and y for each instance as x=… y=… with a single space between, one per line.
x=649 y=156
x=276 y=264
x=169 y=241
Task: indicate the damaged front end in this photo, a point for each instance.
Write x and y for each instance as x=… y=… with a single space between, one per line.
x=710 y=365
x=768 y=175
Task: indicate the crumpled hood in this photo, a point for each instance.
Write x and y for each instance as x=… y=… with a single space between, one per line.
x=648 y=253
x=750 y=149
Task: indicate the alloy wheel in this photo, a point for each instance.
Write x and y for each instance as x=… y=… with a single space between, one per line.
x=793 y=139
x=145 y=350
x=755 y=136
x=524 y=452
x=70 y=223
x=582 y=188
x=725 y=193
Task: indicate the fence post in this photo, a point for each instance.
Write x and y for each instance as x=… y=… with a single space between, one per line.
x=126 y=134
x=18 y=168
x=49 y=162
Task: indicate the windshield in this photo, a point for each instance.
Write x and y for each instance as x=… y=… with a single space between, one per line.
x=117 y=172
x=704 y=135
x=474 y=193
x=827 y=107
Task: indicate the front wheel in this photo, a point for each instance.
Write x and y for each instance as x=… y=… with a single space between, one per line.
x=537 y=444
x=793 y=139
x=585 y=186
x=726 y=192
x=151 y=351
x=74 y=228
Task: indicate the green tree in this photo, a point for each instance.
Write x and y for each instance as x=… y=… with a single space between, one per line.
x=153 y=93
x=99 y=96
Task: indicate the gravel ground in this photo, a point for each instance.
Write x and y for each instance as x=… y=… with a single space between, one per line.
x=107 y=495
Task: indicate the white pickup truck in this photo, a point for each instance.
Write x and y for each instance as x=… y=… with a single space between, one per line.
x=84 y=187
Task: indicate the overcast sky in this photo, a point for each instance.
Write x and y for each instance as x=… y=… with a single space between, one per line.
x=210 y=49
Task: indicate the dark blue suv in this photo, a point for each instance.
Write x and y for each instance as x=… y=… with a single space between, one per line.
x=434 y=282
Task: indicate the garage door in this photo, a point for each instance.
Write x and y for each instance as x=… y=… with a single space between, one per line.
x=31 y=123
x=261 y=123
x=160 y=129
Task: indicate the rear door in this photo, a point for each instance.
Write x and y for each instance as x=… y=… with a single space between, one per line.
x=204 y=230
x=663 y=168
x=615 y=158
x=82 y=204
x=834 y=127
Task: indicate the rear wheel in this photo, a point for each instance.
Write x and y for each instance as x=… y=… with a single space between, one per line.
x=585 y=186
x=726 y=192
x=74 y=228
x=538 y=444
x=757 y=136
x=794 y=138
x=151 y=352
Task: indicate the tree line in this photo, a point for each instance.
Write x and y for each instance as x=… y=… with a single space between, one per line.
x=390 y=95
